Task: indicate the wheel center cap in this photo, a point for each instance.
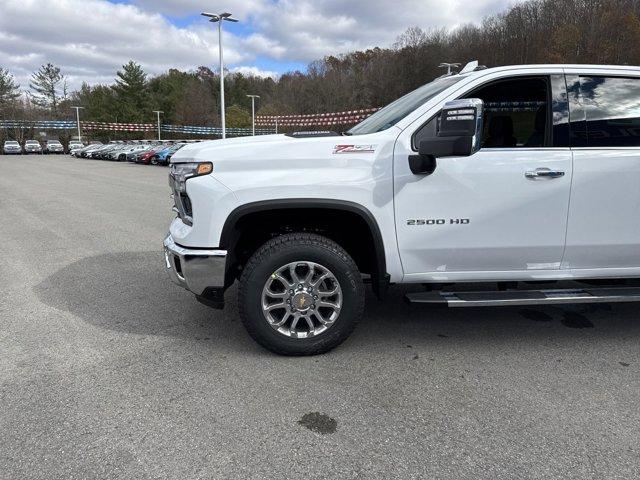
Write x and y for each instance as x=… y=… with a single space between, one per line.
x=302 y=301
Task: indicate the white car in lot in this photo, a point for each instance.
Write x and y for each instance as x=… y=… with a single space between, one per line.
x=513 y=175
x=32 y=146
x=54 y=146
x=11 y=147
x=74 y=146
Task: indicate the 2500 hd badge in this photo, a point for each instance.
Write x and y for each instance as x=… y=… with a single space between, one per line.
x=438 y=221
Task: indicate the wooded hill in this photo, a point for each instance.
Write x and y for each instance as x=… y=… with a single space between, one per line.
x=537 y=31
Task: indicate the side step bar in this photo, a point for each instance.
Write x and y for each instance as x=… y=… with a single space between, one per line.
x=527 y=297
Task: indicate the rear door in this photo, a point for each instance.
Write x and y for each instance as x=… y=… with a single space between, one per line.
x=604 y=217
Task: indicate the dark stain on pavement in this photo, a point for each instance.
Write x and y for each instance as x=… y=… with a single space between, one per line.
x=319 y=423
x=576 y=320
x=536 y=315
x=598 y=307
x=624 y=364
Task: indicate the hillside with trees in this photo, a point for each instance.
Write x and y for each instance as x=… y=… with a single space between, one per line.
x=536 y=31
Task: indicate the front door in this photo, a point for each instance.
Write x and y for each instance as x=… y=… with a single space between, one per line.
x=501 y=210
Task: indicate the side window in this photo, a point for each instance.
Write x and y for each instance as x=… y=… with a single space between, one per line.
x=516 y=114
x=612 y=110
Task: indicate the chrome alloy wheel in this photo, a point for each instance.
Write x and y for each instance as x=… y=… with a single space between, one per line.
x=301 y=299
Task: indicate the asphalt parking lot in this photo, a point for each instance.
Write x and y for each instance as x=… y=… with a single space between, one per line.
x=108 y=370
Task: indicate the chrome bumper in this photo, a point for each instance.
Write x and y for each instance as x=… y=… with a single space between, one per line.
x=194 y=269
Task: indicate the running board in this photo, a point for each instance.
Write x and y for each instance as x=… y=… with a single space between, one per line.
x=527 y=297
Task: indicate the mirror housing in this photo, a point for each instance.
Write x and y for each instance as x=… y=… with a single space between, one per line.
x=459 y=132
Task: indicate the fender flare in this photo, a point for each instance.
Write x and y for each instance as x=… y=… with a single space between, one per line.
x=380 y=278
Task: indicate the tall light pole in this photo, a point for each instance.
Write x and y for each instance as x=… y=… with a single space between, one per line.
x=220 y=17
x=253 y=113
x=78 y=120
x=158 y=112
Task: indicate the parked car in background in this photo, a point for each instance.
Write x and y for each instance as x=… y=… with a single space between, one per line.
x=162 y=157
x=133 y=153
x=11 y=147
x=146 y=152
x=87 y=151
x=145 y=156
x=118 y=152
x=102 y=152
x=54 y=146
x=32 y=146
x=75 y=145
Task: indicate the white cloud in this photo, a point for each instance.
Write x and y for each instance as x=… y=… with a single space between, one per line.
x=91 y=39
x=305 y=30
x=255 y=71
x=241 y=9
x=310 y=29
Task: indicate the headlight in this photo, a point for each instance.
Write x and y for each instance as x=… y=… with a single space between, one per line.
x=181 y=172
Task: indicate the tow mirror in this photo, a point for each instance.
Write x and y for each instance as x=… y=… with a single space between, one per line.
x=459 y=135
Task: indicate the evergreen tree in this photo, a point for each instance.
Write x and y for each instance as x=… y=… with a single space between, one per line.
x=49 y=87
x=9 y=89
x=99 y=102
x=131 y=90
x=237 y=117
x=167 y=90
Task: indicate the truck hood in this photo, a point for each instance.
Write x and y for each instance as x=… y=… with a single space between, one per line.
x=199 y=151
x=247 y=152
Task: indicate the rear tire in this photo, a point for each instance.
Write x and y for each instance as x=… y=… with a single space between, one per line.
x=320 y=267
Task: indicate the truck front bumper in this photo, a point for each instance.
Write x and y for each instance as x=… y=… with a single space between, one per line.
x=195 y=269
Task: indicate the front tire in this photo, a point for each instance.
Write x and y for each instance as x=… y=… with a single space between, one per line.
x=300 y=294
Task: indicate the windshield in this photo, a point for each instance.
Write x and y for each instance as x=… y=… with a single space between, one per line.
x=11 y=143
x=32 y=142
x=396 y=111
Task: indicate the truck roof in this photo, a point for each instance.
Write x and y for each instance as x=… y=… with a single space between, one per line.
x=474 y=68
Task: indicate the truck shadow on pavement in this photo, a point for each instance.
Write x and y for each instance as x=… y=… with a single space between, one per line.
x=130 y=292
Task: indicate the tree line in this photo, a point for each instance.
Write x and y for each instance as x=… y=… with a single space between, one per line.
x=536 y=31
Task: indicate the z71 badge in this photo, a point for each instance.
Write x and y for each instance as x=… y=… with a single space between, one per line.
x=354 y=149
x=438 y=221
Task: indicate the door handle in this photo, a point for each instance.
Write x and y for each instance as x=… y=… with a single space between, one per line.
x=546 y=173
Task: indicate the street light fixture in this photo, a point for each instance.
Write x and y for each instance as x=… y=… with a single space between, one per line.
x=220 y=17
x=78 y=121
x=448 y=66
x=253 y=113
x=158 y=112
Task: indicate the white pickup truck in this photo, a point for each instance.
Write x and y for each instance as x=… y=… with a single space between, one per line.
x=514 y=175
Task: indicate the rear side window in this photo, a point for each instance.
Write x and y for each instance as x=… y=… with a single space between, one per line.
x=612 y=110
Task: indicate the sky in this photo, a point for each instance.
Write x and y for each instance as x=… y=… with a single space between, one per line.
x=91 y=39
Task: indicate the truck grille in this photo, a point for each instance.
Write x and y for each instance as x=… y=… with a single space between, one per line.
x=181 y=202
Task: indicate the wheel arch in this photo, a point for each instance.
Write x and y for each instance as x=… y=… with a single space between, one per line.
x=230 y=234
